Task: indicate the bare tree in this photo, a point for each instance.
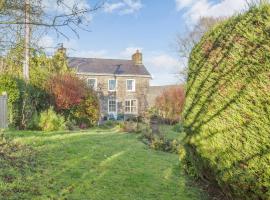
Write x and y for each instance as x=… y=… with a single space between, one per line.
x=185 y=44
x=18 y=19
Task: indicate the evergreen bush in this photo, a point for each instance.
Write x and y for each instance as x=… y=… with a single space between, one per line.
x=24 y=100
x=51 y=121
x=227 y=108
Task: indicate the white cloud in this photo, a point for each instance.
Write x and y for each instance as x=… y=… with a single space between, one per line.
x=180 y=4
x=123 y=7
x=163 y=61
x=65 y=6
x=109 y=8
x=129 y=51
x=207 y=8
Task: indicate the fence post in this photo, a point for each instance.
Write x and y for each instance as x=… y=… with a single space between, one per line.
x=3 y=110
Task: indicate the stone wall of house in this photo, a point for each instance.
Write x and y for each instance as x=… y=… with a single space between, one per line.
x=121 y=94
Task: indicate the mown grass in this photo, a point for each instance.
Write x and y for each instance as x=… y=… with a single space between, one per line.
x=169 y=133
x=96 y=164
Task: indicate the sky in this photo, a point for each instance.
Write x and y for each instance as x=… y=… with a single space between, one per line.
x=121 y=27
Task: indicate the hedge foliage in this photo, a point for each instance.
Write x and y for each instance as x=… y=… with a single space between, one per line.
x=23 y=100
x=227 y=109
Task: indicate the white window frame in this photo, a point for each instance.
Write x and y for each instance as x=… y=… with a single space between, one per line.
x=112 y=112
x=115 y=85
x=136 y=104
x=133 y=85
x=95 y=86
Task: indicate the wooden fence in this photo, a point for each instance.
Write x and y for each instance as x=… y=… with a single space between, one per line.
x=3 y=111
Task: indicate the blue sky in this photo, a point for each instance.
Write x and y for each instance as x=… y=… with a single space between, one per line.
x=122 y=26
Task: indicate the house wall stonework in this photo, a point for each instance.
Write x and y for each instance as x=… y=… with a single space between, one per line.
x=121 y=94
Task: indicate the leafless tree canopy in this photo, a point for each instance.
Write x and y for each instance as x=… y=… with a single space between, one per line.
x=44 y=14
x=184 y=44
x=193 y=36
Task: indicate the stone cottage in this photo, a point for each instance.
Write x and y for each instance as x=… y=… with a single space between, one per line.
x=122 y=85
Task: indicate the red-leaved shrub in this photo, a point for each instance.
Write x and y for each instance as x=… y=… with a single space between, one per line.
x=170 y=103
x=67 y=90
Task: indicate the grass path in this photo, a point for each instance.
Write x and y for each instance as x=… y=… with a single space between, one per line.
x=98 y=165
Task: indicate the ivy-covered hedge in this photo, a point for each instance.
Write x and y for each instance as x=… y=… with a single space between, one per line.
x=24 y=100
x=227 y=109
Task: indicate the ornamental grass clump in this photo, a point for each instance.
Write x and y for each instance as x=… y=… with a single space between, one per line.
x=51 y=121
x=227 y=108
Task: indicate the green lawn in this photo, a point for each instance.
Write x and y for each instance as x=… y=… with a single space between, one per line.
x=94 y=165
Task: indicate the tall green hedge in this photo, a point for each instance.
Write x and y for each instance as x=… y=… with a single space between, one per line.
x=24 y=99
x=227 y=109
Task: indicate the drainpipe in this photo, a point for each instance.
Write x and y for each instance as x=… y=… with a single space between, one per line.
x=115 y=92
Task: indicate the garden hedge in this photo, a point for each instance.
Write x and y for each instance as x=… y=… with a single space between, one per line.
x=23 y=100
x=227 y=108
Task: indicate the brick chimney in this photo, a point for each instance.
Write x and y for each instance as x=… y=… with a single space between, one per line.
x=137 y=58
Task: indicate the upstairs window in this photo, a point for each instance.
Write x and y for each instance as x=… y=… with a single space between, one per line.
x=112 y=85
x=131 y=85
x=131 y=106
x=92 y=82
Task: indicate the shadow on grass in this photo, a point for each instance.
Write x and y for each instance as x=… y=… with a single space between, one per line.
x=103 y=165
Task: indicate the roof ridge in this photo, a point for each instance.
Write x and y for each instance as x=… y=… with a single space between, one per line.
x=99 y=58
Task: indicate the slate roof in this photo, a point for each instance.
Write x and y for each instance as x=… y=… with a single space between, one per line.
x=107 y=66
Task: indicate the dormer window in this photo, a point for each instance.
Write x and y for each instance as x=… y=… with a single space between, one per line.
x=92 y=83
x=131 y=85
x=112 y=84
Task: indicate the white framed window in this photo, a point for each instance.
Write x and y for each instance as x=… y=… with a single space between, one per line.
x=112 y=85
x=92 y=82
x=112 y=106
x=131 y=106
x=131 y=84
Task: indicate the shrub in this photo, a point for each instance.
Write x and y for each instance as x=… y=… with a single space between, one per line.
x=23 y=100
x=51 y=121
x=226 y=115
x=67 y=90
x=169 y=104
x=87 y=112
x=129 y=126
x=159 y=141
x=33 y=123
x=33 y=101
x=178 y=127
x=109 y=124
x=71 y=125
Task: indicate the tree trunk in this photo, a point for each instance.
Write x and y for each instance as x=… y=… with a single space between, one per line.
x=26 y=41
